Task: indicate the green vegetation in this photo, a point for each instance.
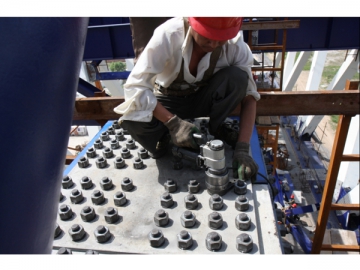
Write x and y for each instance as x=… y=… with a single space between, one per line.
x=334 y=121
x=117 y=66
x=356 y=76
x=334 y=118
x=329 y=73
x=308 y=62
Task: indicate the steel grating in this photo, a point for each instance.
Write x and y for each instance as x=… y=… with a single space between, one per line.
x=130 y=233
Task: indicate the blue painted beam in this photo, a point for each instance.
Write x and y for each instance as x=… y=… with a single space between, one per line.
x=40 y=63
x=110 y=38
x=112 y=75
x=86 y=88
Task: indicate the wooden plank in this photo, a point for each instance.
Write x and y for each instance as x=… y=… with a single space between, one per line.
x=351 y=157
x=308 y=103
x=69 y=159
x=335 y=248
x=271 y=103
x=265 y=69
x=275 y=120
x=267 y=25
x=352 y=85
x=264 y=120
x=347 y=240
x=343 y=206
x=330 y=182
x=266 y=48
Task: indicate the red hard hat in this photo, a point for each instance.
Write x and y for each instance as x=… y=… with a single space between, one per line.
x=294 y=205
x=216 y=28
x=292 y=196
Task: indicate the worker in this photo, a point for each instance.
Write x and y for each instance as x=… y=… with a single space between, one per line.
x=192 y=67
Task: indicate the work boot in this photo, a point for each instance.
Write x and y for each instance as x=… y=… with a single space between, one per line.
x=227 y=135
x=161 y=146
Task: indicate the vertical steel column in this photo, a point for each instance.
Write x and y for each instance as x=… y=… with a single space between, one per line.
x=39 y=73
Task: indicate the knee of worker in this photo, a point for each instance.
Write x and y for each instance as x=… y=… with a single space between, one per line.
x=237 y=80
x=237 y=75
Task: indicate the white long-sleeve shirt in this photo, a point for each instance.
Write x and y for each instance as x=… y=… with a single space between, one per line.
x=161 y=62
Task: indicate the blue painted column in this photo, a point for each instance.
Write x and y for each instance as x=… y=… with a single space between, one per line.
x=40 y=61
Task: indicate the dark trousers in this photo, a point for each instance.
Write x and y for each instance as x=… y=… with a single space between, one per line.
x=225 y=90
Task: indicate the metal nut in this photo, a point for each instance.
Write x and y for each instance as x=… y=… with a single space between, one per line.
x=97 y=197
x=115 y=124
x=105 y=136
x=98 y=144
x=102 y=234
x=240 y=187
x=119 y=135
x=65 y=212
x=77 y=232
x=111 y=131
x=125 y=153
x=244 y=243
x=83 y=162
x=76 y=196
x=213 y=241
x=108 y=153
x=86 y=182
x=64 y=251
x=241 y=203
x=127 y=184
x=242 y=222
x=119 y=163
x=156 y=238
x=191 y=202
x=215 y=220
x=166 y=200
x=138 y=163
x=216 y=202
x=170 y=186
x=119 y=198
x=188 y=219
x=142 y=153
x=193 y=186
x=67 y=182
x=114 y=144
x=111 y=215
x=61 y=196
x=87 y=213
x=58 y=231
x=185 y=240
x=130 y=143
x=91 y=153
x=101 y=162
x=161 y=218
x=106 y=183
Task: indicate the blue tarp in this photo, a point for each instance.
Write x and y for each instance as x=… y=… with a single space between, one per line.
x=301 y=238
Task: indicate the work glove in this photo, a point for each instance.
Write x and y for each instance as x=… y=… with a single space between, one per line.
x=182 y=132
x=244 y=167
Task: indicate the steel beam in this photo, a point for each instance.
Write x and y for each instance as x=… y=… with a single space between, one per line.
x=275 y=103
x=288 y=67
x=296 y=70
x=346 y=71
x=39 y=73
x=316 y=70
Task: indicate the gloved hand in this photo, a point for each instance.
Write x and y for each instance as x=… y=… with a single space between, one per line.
x=182 y=132
x=243 y=164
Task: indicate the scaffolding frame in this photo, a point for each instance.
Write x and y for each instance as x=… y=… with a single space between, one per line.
x=327 y=205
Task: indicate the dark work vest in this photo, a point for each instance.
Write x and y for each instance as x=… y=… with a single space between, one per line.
x=180 y=87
